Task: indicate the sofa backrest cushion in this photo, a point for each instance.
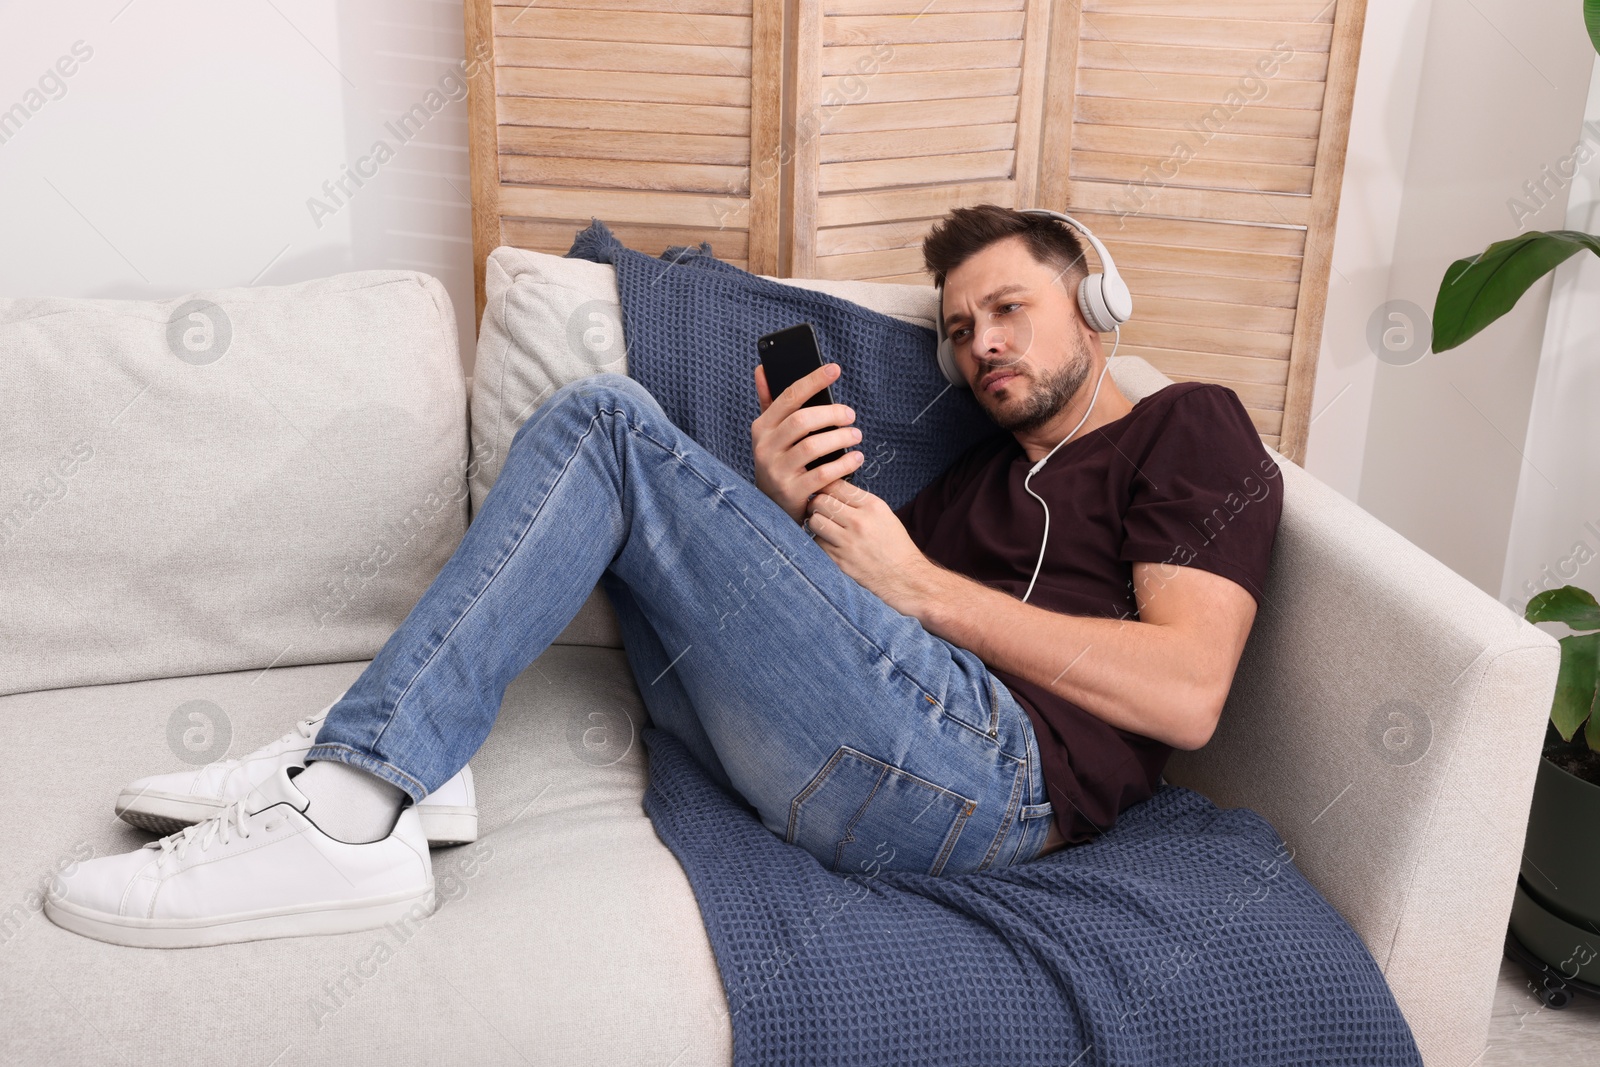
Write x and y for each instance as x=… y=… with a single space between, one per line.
x=226 y=480
x=550 y=320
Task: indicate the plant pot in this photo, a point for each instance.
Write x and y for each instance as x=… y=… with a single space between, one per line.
x=1556 y=912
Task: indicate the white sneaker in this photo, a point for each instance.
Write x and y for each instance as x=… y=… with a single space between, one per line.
x=259 y=869
x=165 y=803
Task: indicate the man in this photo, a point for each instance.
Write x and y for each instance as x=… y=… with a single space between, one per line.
x=875 y=690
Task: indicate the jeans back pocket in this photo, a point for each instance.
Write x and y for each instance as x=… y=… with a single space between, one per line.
x=860 y=815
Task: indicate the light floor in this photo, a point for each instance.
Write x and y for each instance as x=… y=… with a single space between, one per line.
x=1524 y=1032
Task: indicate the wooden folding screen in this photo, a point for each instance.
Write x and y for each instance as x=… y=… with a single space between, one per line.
x=1202 y=140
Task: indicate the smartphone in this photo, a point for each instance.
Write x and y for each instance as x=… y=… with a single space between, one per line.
x=787 y=356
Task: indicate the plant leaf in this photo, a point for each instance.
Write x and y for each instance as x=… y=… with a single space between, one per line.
x=1474 y=292
x=1591 y=19
x=1569 y=604
x=1591 y=730
x=1575 y=685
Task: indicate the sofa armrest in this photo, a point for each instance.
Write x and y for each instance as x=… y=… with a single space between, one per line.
x=1387 y=718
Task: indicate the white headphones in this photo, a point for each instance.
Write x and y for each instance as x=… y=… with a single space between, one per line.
x=1103 y=298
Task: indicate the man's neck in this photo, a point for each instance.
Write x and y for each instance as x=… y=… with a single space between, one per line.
x=1109 y=406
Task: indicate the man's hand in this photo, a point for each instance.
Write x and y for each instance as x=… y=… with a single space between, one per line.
x=782 y=449
x=869 y=543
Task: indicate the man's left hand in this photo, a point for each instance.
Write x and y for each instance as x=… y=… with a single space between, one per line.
x=860 y=532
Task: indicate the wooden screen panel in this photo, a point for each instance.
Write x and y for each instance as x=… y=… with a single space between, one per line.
x=1225 y=241
x=659 y=117
x=902 y=110
x=1206 y=143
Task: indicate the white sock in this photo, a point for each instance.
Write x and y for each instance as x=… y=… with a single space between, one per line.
x=347 y=802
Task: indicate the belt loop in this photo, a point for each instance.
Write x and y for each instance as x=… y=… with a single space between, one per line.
x=994 y=706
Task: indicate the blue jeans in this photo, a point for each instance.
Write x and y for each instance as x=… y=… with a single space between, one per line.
x=852 y=731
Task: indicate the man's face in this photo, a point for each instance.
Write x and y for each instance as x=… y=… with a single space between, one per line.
x=1017 y=333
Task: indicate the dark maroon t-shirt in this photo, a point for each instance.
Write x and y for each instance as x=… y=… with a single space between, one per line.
x=1181 y=479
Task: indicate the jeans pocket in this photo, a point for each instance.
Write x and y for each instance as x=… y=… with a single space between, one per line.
x=970 y=696
x=862 y=815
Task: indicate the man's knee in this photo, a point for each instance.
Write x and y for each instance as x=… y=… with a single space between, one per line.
x=583 y=397
x=607 y=389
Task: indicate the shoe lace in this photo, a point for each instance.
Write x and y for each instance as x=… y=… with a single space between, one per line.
x=220 y=827
x=306 y=728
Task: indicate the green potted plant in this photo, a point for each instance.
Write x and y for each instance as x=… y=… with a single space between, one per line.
x=1555 y=915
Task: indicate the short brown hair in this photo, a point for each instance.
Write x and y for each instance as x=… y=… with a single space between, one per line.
x=966 y=231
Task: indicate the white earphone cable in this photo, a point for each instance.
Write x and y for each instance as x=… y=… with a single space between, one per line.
x=1035 y=468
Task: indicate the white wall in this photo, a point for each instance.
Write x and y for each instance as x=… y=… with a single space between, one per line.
x=1502 y=94
x=183 y=152
x=1381 y=118
x=1555 y=528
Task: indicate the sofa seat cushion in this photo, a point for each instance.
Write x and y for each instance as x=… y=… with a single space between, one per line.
x=567 y=934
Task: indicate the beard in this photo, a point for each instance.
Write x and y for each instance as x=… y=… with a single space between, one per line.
x=1049 y=395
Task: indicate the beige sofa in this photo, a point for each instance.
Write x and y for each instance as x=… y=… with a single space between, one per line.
x=196 y=549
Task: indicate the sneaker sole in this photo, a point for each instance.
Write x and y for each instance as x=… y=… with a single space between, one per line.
x=167 y=813
x=252 y=926
x=447 y=826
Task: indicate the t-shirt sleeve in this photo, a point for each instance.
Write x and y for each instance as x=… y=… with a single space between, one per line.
x=1205 y=493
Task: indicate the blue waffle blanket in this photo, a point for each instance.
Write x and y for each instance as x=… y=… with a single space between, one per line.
x=1184 y=936
x=690 y=322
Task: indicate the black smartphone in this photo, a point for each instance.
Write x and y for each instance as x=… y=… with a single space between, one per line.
x=787 y=356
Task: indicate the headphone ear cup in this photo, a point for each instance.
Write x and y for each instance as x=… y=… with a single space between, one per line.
x=947 y=359
x=1092 y=302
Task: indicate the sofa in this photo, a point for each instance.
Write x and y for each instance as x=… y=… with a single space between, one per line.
x=214 y=509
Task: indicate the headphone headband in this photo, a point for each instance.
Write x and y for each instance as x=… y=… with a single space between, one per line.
x=1103 y=297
